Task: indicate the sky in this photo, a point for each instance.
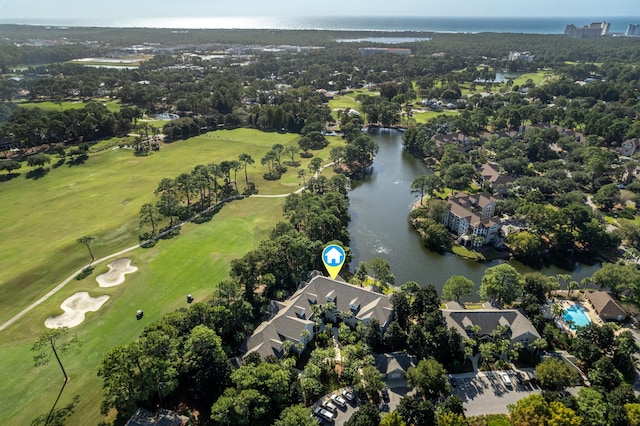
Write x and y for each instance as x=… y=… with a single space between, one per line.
x=118 y=9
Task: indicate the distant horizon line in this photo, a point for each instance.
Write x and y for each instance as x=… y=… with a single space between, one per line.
x=363 y=23
x=284 y=17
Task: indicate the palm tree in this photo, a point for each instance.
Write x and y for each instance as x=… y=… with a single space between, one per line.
x=539 y=344
x=246 y=160
x=150 y=214
x=292 y=151
x=184 y=183
x=573 y=285
x=215 y=172
x=287 y=345
x=317 y=317
x=86 y=240
x=557 y=311
x=486 y=351
x=304 y=335
x=469 y=347
x=585 y=282
x=562 y=279
x=235 y=166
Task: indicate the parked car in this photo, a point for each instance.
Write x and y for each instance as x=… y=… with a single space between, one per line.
x=324 y=413
x=329 y=405
x=505 y=379
x=340 y=401
x=348 y=395
x=454 y=382
x=385 y=394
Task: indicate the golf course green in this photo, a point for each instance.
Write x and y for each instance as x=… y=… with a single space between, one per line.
x=43 y=218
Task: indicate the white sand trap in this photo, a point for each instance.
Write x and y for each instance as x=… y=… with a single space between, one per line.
x=74 y=309
x=117 y=271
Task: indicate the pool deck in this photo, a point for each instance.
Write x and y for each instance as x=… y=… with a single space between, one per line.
x=566 y=303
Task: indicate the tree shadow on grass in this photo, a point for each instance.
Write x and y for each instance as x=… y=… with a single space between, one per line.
x=38 y=173
x=8 y=176
x=208 y=215
x=85 y=273
x=58 y=163
x=57 y=417
x=78 y=160
x=146 y=240
x=170 y=234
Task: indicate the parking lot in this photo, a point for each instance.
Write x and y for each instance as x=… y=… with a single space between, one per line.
x=487 y=393
x=484 y=392
x=396 y=390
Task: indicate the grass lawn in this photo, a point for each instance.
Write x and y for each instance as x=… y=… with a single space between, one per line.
x=343 y=102
x=348 y=100
x=43 y=218
x=423 y=117
x=154 y=123
x=473 y=306
x=193 y=262
x=65 y=105
x=467 y=254
x=537 y=78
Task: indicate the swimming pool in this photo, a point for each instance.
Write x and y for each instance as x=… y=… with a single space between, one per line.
x=577 y=316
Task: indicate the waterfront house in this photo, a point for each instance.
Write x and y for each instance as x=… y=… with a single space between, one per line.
x=318 y=301
x=471 y=217
x=478 y=324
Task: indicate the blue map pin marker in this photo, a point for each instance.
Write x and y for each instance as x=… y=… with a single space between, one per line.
x=333 y=257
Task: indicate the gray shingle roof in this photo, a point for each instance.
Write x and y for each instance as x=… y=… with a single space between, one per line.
x=288 y=320
x=488 y=320
x=387 y=363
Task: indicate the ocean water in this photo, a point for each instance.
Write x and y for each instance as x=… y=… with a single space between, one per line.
x=553 y=25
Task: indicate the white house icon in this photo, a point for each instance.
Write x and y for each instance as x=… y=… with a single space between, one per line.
x=334 y=256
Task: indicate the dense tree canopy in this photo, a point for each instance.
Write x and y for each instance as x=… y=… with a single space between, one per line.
x=502 y=284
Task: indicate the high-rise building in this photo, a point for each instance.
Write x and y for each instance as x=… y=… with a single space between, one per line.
x=595 y=29
x=633 y=30
x=521 y=56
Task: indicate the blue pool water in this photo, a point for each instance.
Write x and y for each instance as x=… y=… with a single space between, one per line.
x=576 y=314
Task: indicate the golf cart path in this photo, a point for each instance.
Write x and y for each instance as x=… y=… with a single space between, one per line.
x=128 y=249
x=62 y=284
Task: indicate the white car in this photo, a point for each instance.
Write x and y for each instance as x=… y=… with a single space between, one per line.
x=339 y=400
x=328 y=405
x=323 y=413
x=505 y=379
x=348 y=395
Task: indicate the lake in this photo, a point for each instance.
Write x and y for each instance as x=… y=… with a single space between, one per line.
x=380 y=206
x=501 y=77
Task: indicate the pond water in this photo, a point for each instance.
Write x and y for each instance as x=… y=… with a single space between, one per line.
x=380 y=206
x=383 y=40
x=501 y=77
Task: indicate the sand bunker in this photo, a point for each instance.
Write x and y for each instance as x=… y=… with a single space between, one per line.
x=74 y=309
x=117 y=271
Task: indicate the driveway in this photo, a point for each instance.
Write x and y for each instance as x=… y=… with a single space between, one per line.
x=485 y=393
